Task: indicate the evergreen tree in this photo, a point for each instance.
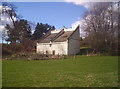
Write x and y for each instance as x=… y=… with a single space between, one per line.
x=41 y=30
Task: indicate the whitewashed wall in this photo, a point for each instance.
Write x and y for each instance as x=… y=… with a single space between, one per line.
x=60 y=48
x=74 y=43
x=42 y=47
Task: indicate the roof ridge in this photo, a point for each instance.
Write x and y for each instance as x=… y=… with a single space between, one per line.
x=58 y=34
x=46 y=35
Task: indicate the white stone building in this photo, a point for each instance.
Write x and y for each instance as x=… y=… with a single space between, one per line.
x=63 y=42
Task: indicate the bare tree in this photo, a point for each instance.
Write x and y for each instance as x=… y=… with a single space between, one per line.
x=100 y=24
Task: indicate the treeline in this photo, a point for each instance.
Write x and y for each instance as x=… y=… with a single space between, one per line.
x=101 y=24
x=20 y=35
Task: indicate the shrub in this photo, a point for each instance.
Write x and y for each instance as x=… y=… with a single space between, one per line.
x=8 y=49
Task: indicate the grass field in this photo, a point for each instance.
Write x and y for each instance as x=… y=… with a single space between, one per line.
x=83 y=71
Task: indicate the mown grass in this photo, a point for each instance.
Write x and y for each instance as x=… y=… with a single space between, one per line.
x=94 y=71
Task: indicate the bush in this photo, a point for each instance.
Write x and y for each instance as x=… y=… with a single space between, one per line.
x=8 y=49
x=16 y=47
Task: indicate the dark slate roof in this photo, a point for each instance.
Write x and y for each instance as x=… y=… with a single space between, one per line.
x=48 y=38
x=57 y=37
x=63 y=37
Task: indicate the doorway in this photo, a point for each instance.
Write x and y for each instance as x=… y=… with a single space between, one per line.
x=53 y=52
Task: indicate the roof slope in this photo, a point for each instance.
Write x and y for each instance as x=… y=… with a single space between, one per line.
x=61 y=36
x=48 y=38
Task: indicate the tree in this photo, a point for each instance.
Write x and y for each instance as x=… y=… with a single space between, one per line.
x=10 y=11
x=19 y=32
x=100 y=25
x=41 y=30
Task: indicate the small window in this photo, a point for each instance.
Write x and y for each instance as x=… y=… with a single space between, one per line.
x=46 y=52
x=50 y=45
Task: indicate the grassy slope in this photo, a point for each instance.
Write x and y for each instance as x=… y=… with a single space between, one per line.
x=81 y=71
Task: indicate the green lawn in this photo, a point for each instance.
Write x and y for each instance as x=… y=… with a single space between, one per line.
x=94 y=71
